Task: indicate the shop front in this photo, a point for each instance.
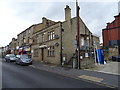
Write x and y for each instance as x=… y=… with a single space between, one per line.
x=20 y=51
x=25 y=50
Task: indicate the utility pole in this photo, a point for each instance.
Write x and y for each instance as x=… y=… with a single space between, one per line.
x=78 y=34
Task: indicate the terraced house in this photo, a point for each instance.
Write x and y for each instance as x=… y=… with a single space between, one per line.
x=55 y=42
x=24 y=41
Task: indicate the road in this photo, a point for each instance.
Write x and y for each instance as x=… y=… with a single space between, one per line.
x=16 y=76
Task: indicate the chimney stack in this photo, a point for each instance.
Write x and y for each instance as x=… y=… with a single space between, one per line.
x=44 y=21
x=108 y=25
x=67 y=13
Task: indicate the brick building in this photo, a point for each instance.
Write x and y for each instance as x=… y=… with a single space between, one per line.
x=111 y=37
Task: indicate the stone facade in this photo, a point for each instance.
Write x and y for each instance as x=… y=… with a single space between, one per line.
x=46 y=45
x=1 y=52
x=24 y=40
x=56 y=43
x=25 y=37
x=45 y=23
x=12 y=46
x=96 y=42
x=111 y=50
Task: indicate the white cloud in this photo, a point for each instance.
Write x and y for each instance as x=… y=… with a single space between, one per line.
x=17 y=15
x=10 y=25
x=64 y=0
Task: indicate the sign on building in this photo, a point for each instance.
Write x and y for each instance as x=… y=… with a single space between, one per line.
x=86 y=55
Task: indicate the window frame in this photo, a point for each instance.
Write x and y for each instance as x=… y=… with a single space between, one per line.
x=51 y=51
x=51 y=35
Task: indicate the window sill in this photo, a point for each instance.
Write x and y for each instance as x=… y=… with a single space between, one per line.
x=48 y=40
x=50 y=56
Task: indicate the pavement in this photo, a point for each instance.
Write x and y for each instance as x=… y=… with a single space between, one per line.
x=95 y=75
x=15 y=77
x=110 y=68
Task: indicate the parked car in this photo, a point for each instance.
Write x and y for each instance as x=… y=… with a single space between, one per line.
x=116 y=58
x=23 y=60
x=17 y=56
x=10 y=57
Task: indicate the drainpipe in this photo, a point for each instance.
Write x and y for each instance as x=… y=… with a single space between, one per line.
x=86 y=51
x=118 y=49
x=61 y=56
x=90 y=48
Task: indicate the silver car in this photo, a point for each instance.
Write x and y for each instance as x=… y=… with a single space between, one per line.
x=10 y=57
x=23 y=60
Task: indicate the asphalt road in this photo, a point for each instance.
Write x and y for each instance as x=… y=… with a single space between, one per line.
x=16 y=76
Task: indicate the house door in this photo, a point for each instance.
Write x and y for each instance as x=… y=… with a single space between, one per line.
x=42 y=54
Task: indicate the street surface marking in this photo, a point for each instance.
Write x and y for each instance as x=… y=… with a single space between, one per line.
x=91 y=78
x=52 y=66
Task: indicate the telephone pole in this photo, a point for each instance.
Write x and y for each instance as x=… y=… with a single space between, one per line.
x=78 y=34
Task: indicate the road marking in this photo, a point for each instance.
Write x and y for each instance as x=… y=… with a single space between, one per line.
x=91 y=78
x=77 y=78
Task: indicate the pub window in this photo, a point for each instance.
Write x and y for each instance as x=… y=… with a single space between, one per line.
x=51 y=35
x=48 y=35
x=51 y=51
x=43 y=37
x=82 y=41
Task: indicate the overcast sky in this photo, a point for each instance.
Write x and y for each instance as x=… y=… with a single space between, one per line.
x=17 y=15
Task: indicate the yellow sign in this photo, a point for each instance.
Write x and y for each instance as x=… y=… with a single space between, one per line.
x=27 y=49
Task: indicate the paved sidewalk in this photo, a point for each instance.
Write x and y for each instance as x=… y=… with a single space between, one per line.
x=92 y=76
x=110 y=68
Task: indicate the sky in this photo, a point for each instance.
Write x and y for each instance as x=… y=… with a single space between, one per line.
x=18 y=15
